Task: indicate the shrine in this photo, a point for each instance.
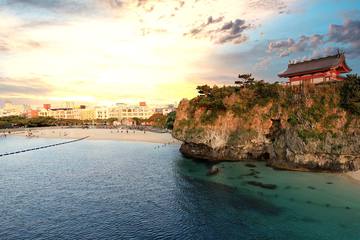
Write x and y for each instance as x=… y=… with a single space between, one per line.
x=316 y=71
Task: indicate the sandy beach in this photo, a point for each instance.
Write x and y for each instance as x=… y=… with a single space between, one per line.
x=101 y=134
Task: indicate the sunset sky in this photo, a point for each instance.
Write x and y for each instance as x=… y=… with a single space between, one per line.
x=158 y=50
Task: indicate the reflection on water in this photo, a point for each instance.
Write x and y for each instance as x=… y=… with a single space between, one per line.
x=122 y=190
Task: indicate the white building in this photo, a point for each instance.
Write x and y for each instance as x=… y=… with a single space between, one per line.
x=120 y=111
x=143 y=112
x=10 y=109
x=101 y=113
x=61 y=113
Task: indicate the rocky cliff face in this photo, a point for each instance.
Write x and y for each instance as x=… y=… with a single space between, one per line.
x=304 y=130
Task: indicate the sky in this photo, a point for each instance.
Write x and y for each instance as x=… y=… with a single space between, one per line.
x=103 y=51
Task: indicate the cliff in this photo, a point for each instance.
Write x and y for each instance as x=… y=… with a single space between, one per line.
x=315 y=128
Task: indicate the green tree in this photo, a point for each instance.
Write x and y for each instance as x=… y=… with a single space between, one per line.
x=245 y=80
x=138 y=121
x=350 y=94
x=170 y=120
x=204 y=90
x=157 y=120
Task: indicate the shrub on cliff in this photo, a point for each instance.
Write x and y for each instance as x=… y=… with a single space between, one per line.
x=307 y=134
x=204 y=90
x=170 y=120
x=350 y=94
x=266 y=92
x=251 y=92
x=212 y=100
x=157 y=120
x=292 y=120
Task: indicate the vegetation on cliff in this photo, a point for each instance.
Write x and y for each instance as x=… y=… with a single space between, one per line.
x=350 y=94
x=317 y=106
x=159 y=120
x=306 y=125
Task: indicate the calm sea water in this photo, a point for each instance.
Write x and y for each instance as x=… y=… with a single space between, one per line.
x=122 y=190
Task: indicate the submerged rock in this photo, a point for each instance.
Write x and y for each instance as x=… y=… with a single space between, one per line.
x=250 y=165
x=213 y=171
x=262 y=185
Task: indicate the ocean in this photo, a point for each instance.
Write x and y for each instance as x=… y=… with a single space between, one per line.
x=131 y=190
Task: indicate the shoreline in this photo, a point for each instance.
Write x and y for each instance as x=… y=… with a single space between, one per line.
x=118 y=135
x=99 y=134
x=354 y=176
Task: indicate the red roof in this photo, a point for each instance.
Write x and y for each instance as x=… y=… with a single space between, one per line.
x=317 y=65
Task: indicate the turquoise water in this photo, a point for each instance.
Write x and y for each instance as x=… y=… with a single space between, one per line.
x=125 y=190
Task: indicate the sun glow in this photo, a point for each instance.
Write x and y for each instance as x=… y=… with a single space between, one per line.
x=132 y=52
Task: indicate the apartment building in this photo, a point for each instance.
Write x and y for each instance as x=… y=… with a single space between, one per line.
x=101 y=113
x=87 y=114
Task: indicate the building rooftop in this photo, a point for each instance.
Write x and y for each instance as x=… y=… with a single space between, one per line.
x=317 y=65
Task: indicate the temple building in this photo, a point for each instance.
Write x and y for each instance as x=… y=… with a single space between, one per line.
x=316 y=71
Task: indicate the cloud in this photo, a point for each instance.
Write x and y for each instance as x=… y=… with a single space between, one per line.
x=323 y=52
x=346 y=36
x=13 y=43
x=281 y=46
x=263 y=63
x=121 y=47
x=13 y=87
x=3 y=46
x=41 y=23
x=66 y=4
x=304 y=43
x=150 y=5
x=53 y=10
x=228 y=32
x=243 y=60
x=268 y=4
x=201 y=29
x=232 y=32
x=226 y=24
x=53 y=5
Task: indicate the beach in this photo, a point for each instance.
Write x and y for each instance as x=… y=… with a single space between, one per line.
x=100 y=134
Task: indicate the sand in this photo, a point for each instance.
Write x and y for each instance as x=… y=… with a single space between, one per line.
x=101 y=134
x=354 y=175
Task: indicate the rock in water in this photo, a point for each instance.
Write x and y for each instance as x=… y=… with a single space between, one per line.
x=213 y=171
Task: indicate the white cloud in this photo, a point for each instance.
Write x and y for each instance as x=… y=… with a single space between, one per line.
x=125 y=49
